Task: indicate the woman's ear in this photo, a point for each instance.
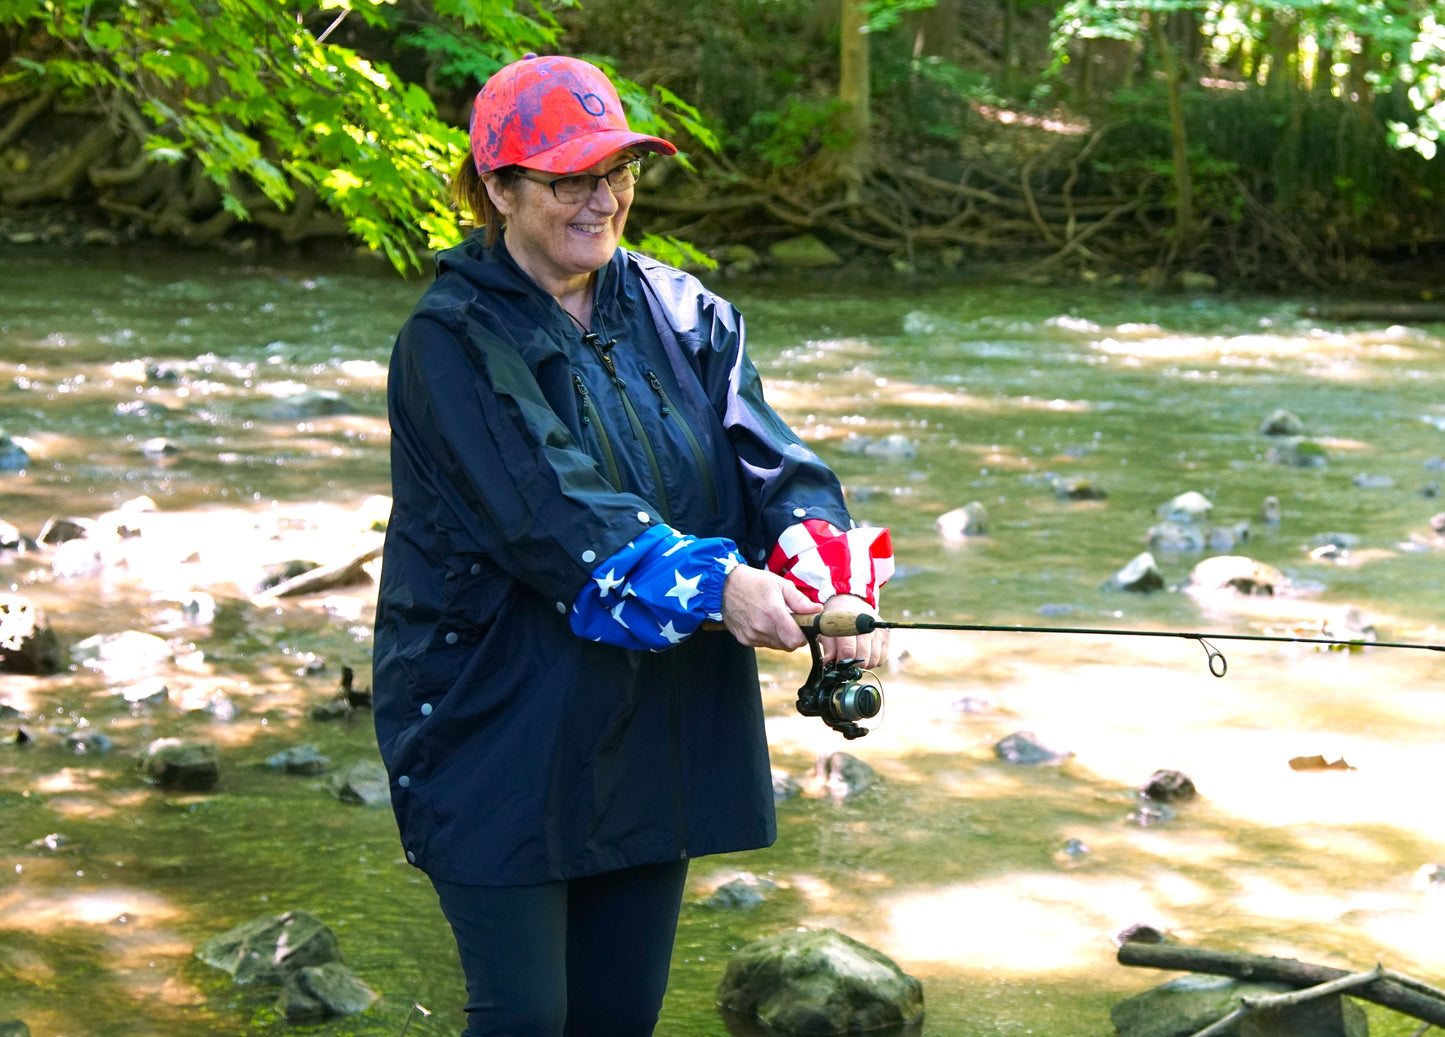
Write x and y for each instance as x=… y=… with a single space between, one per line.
x=502 y=197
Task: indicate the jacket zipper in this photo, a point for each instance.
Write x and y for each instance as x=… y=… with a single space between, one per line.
x=638 y=432
x=668 y=410
x=591 y=417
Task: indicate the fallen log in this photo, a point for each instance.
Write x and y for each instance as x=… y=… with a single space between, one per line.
x=1427 y=312
x=1392 y=990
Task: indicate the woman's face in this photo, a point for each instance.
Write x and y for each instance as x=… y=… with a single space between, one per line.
x=562 y=245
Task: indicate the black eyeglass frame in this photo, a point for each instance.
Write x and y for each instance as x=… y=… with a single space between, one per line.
x=635 y=164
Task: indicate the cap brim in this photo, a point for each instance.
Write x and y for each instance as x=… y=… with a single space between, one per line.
x=584 y=152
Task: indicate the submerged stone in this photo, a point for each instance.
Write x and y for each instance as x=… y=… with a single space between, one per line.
x=1023 y=747
x=840 y=777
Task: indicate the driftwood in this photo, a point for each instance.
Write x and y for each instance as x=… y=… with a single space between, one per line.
x=1249 y=1005
x=326 y=577
x=1428 y=312
x=1391 y=989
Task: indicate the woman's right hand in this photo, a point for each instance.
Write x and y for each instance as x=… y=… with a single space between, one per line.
x=758 y=609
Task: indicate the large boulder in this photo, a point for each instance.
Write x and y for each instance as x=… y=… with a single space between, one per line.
x=272 y=948
x=803 y=251
x=819 y=982
x=27 y=644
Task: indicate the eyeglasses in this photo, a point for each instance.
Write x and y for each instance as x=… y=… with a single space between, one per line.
x=573 y=190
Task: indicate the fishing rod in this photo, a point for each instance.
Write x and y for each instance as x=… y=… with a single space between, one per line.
x=838 y=694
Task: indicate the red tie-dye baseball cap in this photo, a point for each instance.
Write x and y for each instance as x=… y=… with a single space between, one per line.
x=556 y=114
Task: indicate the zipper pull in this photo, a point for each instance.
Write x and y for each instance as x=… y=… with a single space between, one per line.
x=582 y=392
x=656 y=384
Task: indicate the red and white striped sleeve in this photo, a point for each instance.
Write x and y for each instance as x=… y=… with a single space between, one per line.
x=822 y=560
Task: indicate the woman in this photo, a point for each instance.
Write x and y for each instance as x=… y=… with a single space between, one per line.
x=584 y=471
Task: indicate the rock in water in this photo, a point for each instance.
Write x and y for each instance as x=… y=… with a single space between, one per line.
x=181 y=765
x=318 y=992
x=1025 y=748
x=267 y=950
x=27 y=643
x=819 y=982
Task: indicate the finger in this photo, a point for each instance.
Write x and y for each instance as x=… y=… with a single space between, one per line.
x=797 y=601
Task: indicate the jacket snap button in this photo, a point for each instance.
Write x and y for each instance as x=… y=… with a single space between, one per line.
x=562 y=607
x=404 y=781
x=643 y=517
x=411 y=857
x=426 y=709
x=452 y=638
x=799 y=512
x=589 y=557
x=476 y=568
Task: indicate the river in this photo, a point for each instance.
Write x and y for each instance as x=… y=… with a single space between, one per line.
x=953 y=864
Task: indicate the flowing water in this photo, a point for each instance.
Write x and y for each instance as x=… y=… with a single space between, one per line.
x=954 y=864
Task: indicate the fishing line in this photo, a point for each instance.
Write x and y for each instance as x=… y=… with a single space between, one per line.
x=848 y=624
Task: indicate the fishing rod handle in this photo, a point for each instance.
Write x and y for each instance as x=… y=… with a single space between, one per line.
x=836 y=624
x=829 y=624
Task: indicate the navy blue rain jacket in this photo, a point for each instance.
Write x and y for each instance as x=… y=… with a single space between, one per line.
x=523 y=455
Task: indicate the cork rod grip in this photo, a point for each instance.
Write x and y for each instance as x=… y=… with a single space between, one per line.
x=837 y=624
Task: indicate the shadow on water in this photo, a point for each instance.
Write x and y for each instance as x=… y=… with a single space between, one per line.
x=963 y=868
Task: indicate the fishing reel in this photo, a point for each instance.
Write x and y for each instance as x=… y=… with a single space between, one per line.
x=837 y=693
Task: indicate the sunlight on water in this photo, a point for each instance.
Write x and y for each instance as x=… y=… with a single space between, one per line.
x=268 y=385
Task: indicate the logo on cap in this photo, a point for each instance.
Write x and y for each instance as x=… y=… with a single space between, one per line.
x=588 y=100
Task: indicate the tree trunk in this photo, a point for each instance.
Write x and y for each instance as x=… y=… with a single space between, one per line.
x=853 y=89
x=1358 y=84
x=938 y=31
x=1183 y=186
x=1010 y=10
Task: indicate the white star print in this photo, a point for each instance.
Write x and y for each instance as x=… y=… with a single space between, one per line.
x=606 y=584
x=729 y=562
x=684 y=590
x=617 y=615
x=681 y=543
x=668 y=631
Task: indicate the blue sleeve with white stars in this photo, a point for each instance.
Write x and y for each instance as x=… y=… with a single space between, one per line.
x=656 y=591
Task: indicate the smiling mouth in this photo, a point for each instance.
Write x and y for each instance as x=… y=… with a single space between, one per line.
x=589 y=228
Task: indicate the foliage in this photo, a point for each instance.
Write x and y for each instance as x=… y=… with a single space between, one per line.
x=1423 y=75
x=799 y=131
x=1402 y=43
x=272 y=109
x=883 y=15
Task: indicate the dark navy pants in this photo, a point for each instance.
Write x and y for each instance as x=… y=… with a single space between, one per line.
x=582 y=958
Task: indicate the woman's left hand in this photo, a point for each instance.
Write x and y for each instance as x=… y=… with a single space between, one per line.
x=868 y=650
